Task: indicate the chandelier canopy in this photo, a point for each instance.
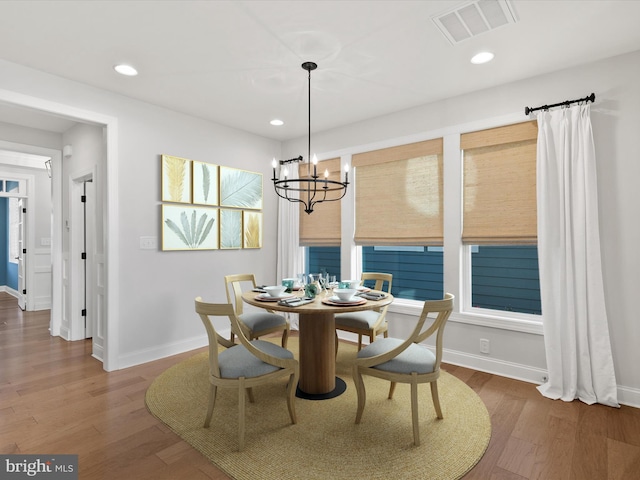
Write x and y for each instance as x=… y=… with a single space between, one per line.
x=308 y=190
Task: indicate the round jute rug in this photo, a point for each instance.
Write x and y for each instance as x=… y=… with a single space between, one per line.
x=325 y=443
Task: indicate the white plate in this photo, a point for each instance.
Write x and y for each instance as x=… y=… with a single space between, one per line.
x=336 y=299
x=267 y=297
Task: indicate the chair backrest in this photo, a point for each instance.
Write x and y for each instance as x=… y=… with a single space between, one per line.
x=233 y=286
x=443 y=308
x=207 y=310
x=380 y=279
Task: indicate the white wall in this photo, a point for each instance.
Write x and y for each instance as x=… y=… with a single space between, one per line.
x=30 y=136
x=616 y=123
x=156 y=289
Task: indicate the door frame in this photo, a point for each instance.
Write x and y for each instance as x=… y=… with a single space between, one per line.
x=110 y=214
x=80 y=287
x=29 y=240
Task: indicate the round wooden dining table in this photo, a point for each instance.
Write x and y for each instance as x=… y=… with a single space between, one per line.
x=317 y=359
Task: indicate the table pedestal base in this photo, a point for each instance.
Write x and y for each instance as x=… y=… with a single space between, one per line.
x=341 y=387
x=318 y=379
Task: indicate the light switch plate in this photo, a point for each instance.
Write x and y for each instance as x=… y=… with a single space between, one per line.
x=148 y=243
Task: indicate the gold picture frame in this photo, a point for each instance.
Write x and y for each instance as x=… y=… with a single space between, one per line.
x=251 y=229
x=240 y=188
x=188 y=227
x=205 y=183
x=176 y=179
x=230 y=229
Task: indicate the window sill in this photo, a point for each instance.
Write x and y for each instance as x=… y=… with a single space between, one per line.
x=486 y=318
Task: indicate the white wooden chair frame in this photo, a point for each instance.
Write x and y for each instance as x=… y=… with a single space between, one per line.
x=366 y=366
x=287 y=367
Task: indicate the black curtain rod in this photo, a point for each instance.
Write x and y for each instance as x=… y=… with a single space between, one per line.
x=590 y=98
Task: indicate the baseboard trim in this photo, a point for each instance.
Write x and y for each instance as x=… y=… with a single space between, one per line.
x=629 y=396
x=163 y=351
x=495 y=366
x=626 y=395
x=98 y=352
x=9 y=290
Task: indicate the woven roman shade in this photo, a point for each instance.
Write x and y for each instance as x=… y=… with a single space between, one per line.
x=399 y=195
x=500 y=185
x=322 y=226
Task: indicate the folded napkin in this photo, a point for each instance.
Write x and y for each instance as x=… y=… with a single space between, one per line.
x=373 y=296
x=295 y=301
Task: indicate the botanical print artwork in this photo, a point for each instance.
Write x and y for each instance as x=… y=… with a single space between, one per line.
x=189 y=228
x=239 y=188
x=252 y=229
x=176 y=179
x=205 y=183
x=230 y=228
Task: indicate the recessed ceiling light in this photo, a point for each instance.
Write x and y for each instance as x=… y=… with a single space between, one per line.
x=276 y=122
x=482 y=57
x=127 y=70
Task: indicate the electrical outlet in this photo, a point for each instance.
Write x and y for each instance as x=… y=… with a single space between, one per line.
x=484 y=345
x=148 y=243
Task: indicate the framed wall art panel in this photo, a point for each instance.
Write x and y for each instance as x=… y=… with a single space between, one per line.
x=205 y=183
x=252 y=229
x=187 y=227
x=230 y=228
x=176 y=179
x=240 y=188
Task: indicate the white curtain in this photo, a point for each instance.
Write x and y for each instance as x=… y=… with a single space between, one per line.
x=576 y=332
x=290 y=256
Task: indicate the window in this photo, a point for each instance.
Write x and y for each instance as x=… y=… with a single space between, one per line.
x=505 y=277
x=417 y=270
x=499 y=217
x=399 y=216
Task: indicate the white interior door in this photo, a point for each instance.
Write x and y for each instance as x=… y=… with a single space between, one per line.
x=22 y=253
x=89 y=248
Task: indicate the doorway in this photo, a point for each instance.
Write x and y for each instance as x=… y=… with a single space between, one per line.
x=107 y=264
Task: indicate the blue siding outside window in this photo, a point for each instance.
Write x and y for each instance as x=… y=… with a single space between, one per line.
x=502 y=277
x=417 y=271
x=506 y=277
x=323 y=260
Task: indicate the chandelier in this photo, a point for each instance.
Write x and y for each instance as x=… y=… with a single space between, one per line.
x=308 y=190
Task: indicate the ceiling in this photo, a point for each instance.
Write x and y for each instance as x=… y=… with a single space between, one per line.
x=238 y=62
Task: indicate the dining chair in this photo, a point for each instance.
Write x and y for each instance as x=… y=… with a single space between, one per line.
x=245 y=365
x=406 y=361
x=255 y=324
x=368 y=322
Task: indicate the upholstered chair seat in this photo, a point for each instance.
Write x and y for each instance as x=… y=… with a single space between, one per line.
x=370 y=322
x=254 y=324
x=415 y=358
x=239 y=362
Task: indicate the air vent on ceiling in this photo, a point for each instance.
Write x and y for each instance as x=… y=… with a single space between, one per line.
x=473 y=18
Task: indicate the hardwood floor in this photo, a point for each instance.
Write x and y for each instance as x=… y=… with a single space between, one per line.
x=55 y=398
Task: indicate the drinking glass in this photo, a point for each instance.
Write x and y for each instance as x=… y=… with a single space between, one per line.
x=322 y=281
x=331 y=284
